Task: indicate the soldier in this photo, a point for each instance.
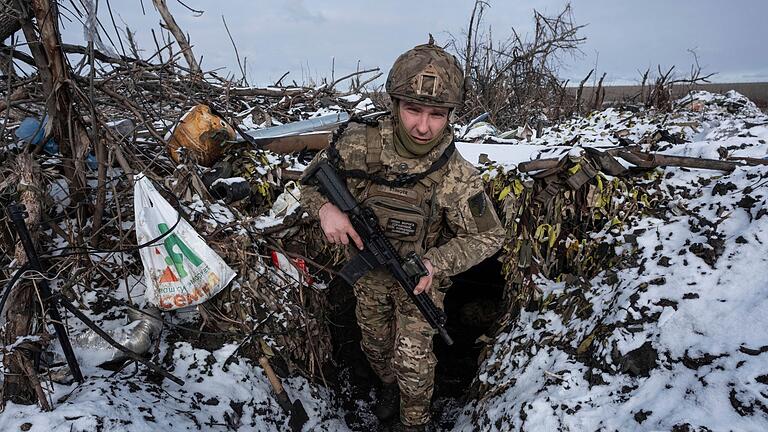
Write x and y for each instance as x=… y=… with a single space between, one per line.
x=428 y=199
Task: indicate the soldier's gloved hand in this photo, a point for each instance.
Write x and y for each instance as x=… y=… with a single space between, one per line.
x=425 y=283
x=336 y=226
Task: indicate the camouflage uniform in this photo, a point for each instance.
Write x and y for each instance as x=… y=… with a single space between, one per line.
x=458 y=228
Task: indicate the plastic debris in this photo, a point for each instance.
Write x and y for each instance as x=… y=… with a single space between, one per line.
x=294 y=268
x=184 y=271
x=138 y=335
x=33 y=131
x=202 y=133
x=231 y=189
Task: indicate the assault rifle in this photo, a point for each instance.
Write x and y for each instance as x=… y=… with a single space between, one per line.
x=378 y=251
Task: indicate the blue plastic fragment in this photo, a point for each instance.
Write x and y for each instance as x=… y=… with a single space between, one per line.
x=32 y=131
x=90 y=160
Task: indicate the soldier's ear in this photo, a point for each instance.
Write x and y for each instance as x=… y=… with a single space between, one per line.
x=395 y=109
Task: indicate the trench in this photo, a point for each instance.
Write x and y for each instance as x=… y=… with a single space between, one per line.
x=472 y=304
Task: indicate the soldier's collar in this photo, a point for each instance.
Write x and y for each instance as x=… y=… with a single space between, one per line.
x=397 y=163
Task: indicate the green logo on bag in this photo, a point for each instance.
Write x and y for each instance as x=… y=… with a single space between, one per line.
x=174 y=258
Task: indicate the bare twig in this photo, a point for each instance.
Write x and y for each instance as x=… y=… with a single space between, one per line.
x=237 y=55
x=173 y=27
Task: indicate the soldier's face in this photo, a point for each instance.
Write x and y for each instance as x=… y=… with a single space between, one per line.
x=422 y=122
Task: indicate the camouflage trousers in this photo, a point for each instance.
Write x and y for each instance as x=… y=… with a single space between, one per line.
x=398 y=341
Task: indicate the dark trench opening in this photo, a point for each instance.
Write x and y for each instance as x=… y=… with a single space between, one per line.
x=473 y=304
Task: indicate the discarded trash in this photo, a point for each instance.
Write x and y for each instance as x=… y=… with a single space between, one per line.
x=32 y=131
x=138 y=336
x=220 y=170
x=284 y=209
x=182 y=270
x=318 y=123
x=287 y=202
x=231 y=189
x=202 y=133
x=295 y=268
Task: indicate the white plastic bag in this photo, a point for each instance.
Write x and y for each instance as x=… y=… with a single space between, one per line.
x=180 y=270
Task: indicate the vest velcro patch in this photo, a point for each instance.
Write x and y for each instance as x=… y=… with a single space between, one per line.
x=401 y=227
x=482 y=212
x=407 y=193
x=477 y=204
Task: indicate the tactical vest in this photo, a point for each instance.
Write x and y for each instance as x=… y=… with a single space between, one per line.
x=408 y=215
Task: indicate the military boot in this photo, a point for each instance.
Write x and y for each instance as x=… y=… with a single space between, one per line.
x=388 y=404
x=400 y=427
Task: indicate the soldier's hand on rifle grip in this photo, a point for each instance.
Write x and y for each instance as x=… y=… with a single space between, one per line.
x=336 y=226
x=425 y=283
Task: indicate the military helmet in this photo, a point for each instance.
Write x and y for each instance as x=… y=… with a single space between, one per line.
x=428 y=75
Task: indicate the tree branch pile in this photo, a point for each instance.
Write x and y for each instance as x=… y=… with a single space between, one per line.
x=103 y=117
x=515 y=79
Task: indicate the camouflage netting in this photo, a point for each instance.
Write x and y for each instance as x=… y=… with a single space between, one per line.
x=624 y=288
x=561 y=224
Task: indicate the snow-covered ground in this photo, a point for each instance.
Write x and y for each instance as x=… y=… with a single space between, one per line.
x=677 y=342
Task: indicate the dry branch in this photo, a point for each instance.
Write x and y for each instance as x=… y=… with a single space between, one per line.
x=170 y=24
x=149 y=94
x=66 y=125
x=20 y=306
x=515 y=79
x=9 y=18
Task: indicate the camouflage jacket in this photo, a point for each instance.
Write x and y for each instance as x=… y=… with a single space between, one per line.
x=461 y=226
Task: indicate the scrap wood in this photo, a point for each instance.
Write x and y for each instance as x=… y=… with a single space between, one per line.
x=749 y=160
x=296 y=143
x=652 y=160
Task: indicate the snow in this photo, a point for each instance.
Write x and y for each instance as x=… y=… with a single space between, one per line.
x=352 y=98
x=228 y=181
x=479 y=130
x=208 y=400
x=506 y=155
x=706 y=317
x=285 y=204
x=364 y=106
